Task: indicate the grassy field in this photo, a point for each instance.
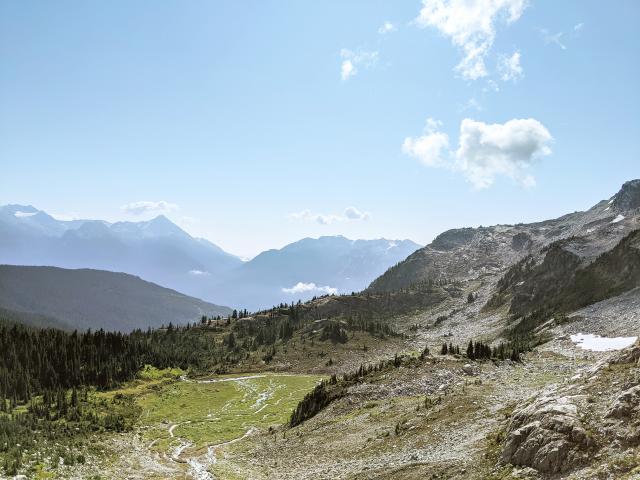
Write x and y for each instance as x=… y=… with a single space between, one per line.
x=210 y=412
x=176 y=427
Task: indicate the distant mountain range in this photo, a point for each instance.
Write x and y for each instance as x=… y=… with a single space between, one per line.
x=94 y=299
x=156 y=250
x=159 y=251
x=311 y=267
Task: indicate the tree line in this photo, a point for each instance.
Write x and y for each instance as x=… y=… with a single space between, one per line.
x=35 y=361
x=478 y=350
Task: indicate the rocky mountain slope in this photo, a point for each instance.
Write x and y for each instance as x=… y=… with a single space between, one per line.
x=96 y=299
x=405 y=396
x=586 y=428
x=565 y=278
x=565 y=411
x=469 y=253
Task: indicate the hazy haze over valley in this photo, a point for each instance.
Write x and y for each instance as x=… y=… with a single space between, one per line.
x=298 y=240
x=159 y=251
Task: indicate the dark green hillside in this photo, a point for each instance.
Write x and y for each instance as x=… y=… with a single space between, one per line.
x=97 y=299
x=11 y=317
x=562 y=283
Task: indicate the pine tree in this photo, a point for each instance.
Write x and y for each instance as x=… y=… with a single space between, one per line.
x=470 y=354
x=425 y=353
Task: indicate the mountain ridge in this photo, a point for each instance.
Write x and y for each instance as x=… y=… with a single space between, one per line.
x=160 y=251
x=90 y=298
x=465 y=253
x=310 y=267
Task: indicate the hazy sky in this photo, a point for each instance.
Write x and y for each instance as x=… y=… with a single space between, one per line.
x=256 y=123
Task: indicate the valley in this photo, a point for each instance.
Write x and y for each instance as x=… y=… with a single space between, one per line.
x=186 y=425
x=475 y=369
x=300 y=240
x=161 y=252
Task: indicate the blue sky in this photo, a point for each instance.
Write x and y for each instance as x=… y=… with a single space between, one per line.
x=245 y=119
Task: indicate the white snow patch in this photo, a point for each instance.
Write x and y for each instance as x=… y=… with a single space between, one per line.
x=590 y=230
x=611 y=201
x=301 y=287
x=20 y=214
x=607 y=209
x=619 y=218
x=596 y=343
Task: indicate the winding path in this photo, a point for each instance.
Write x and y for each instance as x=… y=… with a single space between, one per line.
x=198 y=466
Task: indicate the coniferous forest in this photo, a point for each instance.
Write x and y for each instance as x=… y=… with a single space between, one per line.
x=33 y=361
x=51 y=374
x=48 y=376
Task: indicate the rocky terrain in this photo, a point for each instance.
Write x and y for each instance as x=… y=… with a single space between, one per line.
x=469 y=253
x=564 y=295
x=564 y=412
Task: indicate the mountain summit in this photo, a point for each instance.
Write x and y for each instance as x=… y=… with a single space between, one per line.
x=156 y=250
x=468 y=253
x=629 y=196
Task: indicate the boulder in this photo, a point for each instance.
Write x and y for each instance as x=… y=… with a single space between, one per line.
x=626 y=404
x=547 y=435
x=629 y=355
x=469 y=369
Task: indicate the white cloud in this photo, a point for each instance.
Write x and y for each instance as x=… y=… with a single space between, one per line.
x=20 y=214
x=552 y=38
x=557 y=39
x=387 y=27
x=471 y=26
x=198 y=273
x=510 y=68
x=352 y=60
x=139 y=208
x=492 y=85
x=301 y=287
x=351 y=214
x=486 y=151
x=307 y=215
x=64 y=217
x=347 y=70
x=428 y=148
x=472 y=104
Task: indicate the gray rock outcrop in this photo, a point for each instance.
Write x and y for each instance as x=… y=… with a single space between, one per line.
x=547 y=435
